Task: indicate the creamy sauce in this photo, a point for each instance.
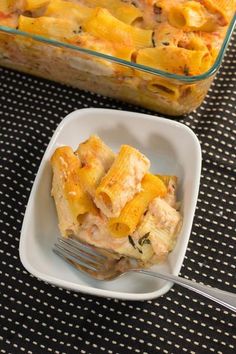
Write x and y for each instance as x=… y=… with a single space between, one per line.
x=166 y=217
x=94 y=231
x=130 y=185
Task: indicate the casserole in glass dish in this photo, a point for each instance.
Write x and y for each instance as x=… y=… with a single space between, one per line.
x=159 y=54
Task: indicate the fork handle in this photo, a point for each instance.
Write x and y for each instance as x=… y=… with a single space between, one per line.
x=222 y=297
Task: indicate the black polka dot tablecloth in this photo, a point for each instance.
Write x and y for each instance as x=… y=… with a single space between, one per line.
x=36 y=317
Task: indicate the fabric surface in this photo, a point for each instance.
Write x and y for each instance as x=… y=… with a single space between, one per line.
x=36 y=317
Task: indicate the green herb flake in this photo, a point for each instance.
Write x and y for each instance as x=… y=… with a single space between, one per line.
x=144 y=240
x=153 y=40
x=131 y=241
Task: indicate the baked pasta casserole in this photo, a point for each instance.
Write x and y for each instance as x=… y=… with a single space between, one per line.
x=113 y=202
x=179 y=37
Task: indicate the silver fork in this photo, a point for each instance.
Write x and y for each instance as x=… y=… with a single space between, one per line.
x=102 y=265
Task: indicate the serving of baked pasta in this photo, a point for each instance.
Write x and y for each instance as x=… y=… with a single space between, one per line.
x=112 y=201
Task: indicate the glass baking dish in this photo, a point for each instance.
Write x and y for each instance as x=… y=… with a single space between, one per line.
x=86 y=69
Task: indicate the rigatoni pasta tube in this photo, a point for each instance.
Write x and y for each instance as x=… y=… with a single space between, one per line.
x=175 y=60
x=90 y=176
x=127 y=13
x=56 y=28
x=189 y=16
x=71 y=201
x=125 y=224
x=164 y=88
x=31 y=5
x=122 y=181
x=124 y=12
x=105 y=26
x=96 y=158
x=94 y=149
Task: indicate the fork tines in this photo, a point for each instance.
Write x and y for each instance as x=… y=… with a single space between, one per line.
x=74 y=251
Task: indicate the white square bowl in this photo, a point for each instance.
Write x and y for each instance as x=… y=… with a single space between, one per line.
x=172 y=149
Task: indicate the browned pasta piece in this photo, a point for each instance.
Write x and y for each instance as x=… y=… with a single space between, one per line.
x=107 y=27
x=93 y=150
x=122 y=181
x=90 y=176
x=176 y=60
x=125 y=224
x=71 y=201
x=96 y=158
x=190 y=15
x=164 y=88
x=32 y=5
x=124 y=12
x=55 y=28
